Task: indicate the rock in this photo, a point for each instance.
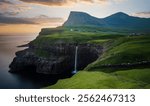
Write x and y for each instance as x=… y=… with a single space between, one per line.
x=60 y=58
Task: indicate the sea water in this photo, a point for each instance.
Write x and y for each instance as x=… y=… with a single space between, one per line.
x=8 y=47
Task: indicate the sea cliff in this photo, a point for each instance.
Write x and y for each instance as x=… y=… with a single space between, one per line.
x=54 y=58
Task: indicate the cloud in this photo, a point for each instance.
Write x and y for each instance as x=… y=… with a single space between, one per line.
x=142 y=14
x=13 y=20
x=13 y=7
x=45 y=20
x=51 y=2
x=9 y=10
x=6 y=1
x=64 y=2
x=40 y=20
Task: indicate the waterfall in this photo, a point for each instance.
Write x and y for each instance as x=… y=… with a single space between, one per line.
x=75 y=61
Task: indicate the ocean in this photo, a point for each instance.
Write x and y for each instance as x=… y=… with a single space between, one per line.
x=8 y=47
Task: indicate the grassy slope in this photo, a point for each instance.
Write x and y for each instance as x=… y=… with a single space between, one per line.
x=67 y=36
x=124 y=50
x=136 y=78
x=118 y=49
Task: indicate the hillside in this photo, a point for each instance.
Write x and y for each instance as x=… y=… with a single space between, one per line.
x=129 y=79
x=124 y=51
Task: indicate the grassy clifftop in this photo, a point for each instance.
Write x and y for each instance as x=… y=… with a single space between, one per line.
x=74 y=35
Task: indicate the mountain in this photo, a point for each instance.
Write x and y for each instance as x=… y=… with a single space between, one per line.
x=117 y=20
x=123 y=20
x=82 y=19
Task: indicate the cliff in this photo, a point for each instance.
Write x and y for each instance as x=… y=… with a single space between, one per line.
x=54 y=58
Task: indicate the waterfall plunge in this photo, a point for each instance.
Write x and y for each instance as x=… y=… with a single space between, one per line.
x=75 y=62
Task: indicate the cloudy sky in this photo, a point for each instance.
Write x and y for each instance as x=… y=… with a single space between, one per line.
x=29 y=16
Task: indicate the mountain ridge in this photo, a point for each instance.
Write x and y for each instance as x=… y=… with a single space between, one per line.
x=81 y=18
x=116 y=20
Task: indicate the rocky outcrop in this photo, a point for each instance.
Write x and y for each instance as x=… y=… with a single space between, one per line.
x=59 y=59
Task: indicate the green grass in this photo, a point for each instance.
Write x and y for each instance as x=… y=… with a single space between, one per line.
x=129 y=79
x=72 y=37
x=50 y=36
x=124 y=50
x=99 y=41
x=136 y=74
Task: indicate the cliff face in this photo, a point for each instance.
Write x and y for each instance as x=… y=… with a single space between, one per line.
x=60 y=59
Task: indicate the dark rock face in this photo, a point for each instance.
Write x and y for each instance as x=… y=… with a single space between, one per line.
x=59 y=61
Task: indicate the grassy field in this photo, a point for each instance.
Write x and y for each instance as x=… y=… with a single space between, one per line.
x=129 y=79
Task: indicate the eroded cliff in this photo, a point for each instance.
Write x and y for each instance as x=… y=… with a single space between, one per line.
x=57 y=58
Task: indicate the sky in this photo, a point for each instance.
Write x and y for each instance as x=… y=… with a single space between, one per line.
x=25 y=17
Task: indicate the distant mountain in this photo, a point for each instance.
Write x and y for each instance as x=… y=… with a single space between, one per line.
x=117 y=20
x=82 y=19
